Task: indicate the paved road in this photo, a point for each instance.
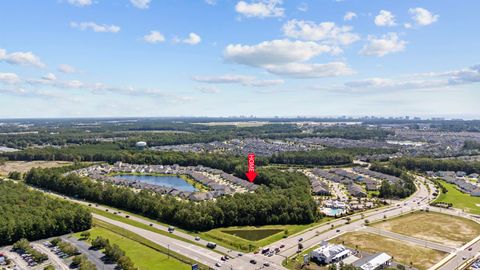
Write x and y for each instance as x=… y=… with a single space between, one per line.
x=409 y=239
x=57 y=262
x=324 y=232
x=17 y=260
x=312 y=237
x=93 y=256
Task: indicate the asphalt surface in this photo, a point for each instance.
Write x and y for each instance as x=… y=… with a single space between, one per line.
x=314 y=236
x=325 y=232
x=94 y=256
x=57 y=262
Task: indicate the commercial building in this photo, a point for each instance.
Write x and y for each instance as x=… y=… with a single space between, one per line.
x=374 y=262
x=330 y=253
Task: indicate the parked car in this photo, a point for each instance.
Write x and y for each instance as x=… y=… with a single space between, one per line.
x=253 y=261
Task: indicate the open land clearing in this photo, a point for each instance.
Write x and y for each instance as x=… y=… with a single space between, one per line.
x=25 y=166
x=459 y=199
x=142 y=252
x=436 y=227
x=402 y=252
x=250 y=238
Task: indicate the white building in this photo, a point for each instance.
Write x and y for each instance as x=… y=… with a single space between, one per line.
x=374 y=262
x=329 y=253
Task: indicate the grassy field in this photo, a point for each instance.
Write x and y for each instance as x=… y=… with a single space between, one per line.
x=137 y=224
x=252 y=235
x=216 y=235
x=25 y=166
x=145 y=254
x=459 y=199
x=420 y=257
x=265 y=235
x=432 y=226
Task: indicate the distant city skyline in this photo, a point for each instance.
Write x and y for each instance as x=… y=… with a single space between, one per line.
x=317 y=58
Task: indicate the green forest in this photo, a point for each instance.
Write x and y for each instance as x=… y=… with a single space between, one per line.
x=32 y=215
x=285 y=199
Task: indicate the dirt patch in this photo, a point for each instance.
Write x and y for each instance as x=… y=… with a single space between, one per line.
x=25 y=166
x=436 y=227
x=402 y=252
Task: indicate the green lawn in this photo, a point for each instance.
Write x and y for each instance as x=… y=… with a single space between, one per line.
x=253 y=235
x=226 y=237
x=144 y=254
x=459 y=199
x=216 y=235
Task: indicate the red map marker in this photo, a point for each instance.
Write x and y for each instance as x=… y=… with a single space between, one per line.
x=251 y=174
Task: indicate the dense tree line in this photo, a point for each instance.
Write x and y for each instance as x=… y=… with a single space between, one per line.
x=227 y=163
x=390 y=170
x=285 y=199
x=428 y=164
x=318 y=157
x=402 y=189
x=32 y=215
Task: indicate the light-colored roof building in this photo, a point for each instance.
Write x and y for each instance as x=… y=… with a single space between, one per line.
x=374 y=262
x=329 y=253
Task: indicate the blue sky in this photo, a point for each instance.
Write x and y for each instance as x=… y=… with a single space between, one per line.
x=72 y=58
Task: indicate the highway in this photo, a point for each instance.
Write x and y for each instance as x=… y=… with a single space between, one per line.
x=313 y=236
x=325 y=232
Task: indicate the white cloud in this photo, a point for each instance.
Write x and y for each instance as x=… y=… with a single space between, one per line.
x=303 y=7
x=389 y=43
x=385 y=18
x=21 y=58
x=327 y=32
x=193 y=39
x=64 y=68
x=209 y=89
x=141 y=4
x=9 y=78
x=431 y=80
x=154 y=37
x=422 y=16
x=260 y=8
x=275 y=52
x=285 y=57
x=99 y=28
x=305 y=70
x=80 y=3
x=237 y=79
x=349 y=16
x=49 y=77
x=211 y=2
x=408 y=25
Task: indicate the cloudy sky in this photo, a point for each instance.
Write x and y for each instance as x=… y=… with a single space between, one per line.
x=72 y=58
